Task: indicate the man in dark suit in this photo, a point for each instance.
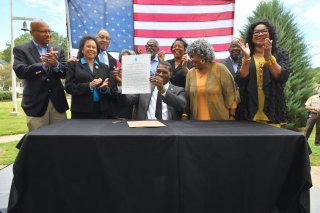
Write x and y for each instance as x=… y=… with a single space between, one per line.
x=103 y=37
x=165 y=102
x=232 y=61
x=41 y=66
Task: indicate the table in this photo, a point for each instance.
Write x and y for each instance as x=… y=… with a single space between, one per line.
x=187 y=166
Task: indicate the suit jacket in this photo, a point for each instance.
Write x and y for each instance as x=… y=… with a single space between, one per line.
x=228 y=63
x=40 y=85
x=112 y=62
x=78 y=80
x=175 y=99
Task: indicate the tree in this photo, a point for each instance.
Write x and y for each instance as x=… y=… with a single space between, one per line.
x=300 y=85
x=5 y=77
x=316 y=75
x=56 y=39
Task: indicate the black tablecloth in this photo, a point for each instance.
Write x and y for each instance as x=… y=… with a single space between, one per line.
x=191 y=166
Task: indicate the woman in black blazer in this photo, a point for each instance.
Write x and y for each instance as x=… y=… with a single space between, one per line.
x=89 y=82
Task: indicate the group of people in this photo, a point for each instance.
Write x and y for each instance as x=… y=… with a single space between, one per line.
x=248 y=85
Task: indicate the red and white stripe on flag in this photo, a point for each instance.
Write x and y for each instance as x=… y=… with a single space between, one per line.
x=165 y=20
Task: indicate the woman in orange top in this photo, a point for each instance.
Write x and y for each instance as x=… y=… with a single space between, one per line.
x=210 y=88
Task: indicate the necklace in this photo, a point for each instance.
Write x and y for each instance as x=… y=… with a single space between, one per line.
x=259 y=61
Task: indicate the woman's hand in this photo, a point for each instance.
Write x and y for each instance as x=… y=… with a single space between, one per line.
x=95 y=83
x=184 y=60
x=244 y=47
x=105 y=84
x=267 y=47
x=161 y=55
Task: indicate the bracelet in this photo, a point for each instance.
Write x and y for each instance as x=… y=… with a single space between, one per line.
x=271 y=61
x=267 y=57
x=245 y=61
x=184 y=115
x=232 y=115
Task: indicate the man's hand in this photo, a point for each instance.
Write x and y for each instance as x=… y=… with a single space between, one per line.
x=50 y=59
x=158 y=82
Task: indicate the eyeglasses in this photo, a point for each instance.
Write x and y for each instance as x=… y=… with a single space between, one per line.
x=104 y=37
x=44 y=31
x=263 y=32
x=152 y=46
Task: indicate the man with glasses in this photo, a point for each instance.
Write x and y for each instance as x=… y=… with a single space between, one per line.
x=41 y=66
x=103 y=37
x=152 y=48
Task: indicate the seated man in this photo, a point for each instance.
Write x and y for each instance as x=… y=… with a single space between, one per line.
x=165 y=102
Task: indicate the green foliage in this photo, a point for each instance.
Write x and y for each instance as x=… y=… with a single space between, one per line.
x=300 y=84
x=5 y=78
x=6 y=95
x=316 y=75
x=56 y=39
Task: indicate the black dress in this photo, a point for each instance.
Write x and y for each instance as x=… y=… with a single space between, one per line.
x=178 y=78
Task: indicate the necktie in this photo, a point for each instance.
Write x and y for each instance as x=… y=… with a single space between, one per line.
x=158 y=112
x=102 y=59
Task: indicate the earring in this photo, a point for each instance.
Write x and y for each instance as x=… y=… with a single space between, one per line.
x=202 y=61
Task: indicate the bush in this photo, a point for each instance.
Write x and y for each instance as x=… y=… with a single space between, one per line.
x=6 y=95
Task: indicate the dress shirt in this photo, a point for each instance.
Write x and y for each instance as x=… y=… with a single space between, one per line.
x=153 y=103
x=103 y=57
x=235 y=65
x=154 y=64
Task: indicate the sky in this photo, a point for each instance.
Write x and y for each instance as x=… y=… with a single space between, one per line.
x=54 y=13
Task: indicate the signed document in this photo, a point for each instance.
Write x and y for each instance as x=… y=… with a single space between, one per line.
x=147 y=123
x=136 y=74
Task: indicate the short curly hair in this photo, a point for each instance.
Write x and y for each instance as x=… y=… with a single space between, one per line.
x=272 y=34
x=202 y=48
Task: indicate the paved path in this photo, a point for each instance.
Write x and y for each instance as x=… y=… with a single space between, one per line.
x=10 y=138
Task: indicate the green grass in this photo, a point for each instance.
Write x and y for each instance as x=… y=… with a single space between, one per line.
x=315 y=156
x=8 y=153
x=11 y=125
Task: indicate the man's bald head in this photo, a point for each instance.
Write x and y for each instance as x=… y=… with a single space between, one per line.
x=40 y=32
x=104 y=38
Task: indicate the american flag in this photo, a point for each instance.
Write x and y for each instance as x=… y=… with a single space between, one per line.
x=132 y=23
